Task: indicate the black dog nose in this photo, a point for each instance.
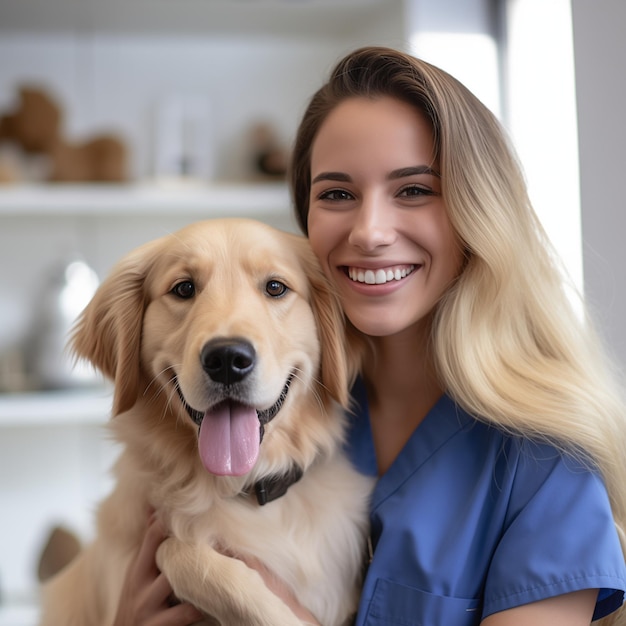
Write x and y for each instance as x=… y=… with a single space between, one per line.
x=228 y=360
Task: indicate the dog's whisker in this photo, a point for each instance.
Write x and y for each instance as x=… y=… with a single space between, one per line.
x=297 y=374
x=171 y=391
x=153 y=382
x=159 y=389
x=171 y=395
x=155 y=391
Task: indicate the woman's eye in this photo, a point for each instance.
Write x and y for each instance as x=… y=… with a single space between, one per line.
x=336 y=195
x=275 y=288
x=414 y=191
x=184 y=289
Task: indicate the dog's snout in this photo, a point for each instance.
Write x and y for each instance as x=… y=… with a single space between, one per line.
x=228 y=360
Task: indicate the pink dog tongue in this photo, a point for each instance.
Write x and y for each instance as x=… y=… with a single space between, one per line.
x=229 y=439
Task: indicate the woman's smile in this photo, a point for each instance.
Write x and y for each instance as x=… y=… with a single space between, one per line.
x=379 y=276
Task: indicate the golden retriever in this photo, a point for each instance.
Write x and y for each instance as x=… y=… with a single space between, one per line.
x=226 y=347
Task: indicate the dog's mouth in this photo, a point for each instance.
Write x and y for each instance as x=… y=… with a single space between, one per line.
x=231 y=432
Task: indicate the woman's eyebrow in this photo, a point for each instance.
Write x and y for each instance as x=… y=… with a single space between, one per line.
x=417 y=170
x=403 y=172
x=335 y=176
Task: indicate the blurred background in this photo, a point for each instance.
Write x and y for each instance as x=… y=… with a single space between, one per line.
x=123 y=120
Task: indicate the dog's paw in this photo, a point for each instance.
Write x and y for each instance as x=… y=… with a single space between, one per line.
x=221 y=586
x=164 y=553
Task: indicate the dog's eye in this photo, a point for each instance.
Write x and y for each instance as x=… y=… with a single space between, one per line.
x=275 y=288
x=185 y=289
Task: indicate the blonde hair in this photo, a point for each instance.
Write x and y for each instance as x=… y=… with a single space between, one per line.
x=509 y=346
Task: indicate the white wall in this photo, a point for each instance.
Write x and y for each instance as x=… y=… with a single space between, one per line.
x=600 y=62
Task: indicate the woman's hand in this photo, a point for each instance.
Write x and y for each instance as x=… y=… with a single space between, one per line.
x=146 y=594
x=278 y=587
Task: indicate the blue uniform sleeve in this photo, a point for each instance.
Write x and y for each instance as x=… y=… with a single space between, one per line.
x=559 y=536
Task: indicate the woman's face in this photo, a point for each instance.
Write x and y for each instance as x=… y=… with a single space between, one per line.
x=377 y=221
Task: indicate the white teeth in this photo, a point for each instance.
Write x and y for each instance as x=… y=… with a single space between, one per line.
x=381 y=276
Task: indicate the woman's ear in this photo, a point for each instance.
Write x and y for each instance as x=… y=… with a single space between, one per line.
x=108 y=332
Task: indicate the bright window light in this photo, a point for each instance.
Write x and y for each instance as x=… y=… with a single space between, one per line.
x=472 y=58
x=541 y=116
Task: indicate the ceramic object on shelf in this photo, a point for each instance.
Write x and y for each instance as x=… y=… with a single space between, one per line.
x=67 y=291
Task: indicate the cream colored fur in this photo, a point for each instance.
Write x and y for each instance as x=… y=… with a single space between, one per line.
x=141 y=335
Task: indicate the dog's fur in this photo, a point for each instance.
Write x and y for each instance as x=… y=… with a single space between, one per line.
x=147 y=333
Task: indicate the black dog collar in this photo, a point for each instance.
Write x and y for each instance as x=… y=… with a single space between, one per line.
x=273 y=487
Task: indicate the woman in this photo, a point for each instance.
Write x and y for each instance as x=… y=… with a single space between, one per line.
x=484 y=405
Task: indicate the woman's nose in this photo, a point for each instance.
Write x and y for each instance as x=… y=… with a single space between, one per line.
x=373 y=225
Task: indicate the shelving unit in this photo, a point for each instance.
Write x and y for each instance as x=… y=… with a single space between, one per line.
x=18 y=616
x=61 y=408
x=263 y=200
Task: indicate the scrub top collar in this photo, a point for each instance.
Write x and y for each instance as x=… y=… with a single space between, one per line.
x=443 y=421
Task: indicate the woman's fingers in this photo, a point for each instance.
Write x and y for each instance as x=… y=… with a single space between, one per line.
x=179 y=615
x=147 y=594
x=145 y=562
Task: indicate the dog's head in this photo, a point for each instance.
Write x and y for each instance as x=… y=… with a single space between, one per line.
x=220 y=326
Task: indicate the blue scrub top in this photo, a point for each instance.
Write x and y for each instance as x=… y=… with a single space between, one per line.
x=469 y=521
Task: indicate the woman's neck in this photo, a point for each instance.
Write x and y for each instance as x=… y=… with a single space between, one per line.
x=402 y=366
x=402 y=387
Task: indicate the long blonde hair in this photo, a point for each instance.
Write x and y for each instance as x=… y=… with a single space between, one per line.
x=509 y=346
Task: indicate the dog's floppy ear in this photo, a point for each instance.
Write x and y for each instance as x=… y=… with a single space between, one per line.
x=337 y=371
x=108 y=332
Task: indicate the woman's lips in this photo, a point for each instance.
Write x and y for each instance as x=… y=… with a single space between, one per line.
x=378 y=276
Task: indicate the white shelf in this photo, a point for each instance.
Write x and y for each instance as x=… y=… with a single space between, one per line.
x=19 y=615
x=83 y=406
x=205 y=200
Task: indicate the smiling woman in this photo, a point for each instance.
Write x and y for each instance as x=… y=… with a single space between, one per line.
x=487 y=412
